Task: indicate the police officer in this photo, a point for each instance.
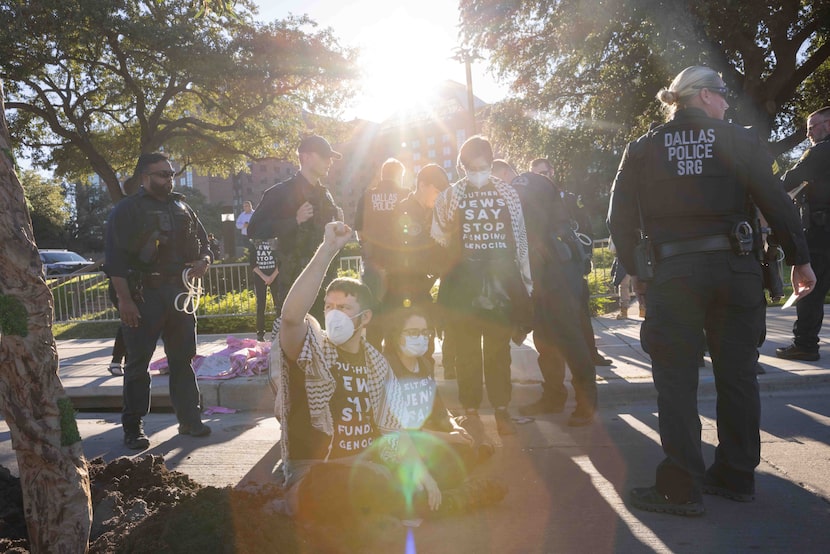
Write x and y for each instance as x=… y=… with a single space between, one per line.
x=556 y=265
x=296 y=211
x=417 y=260
x=375 y=225
x=580 y=222
x=814 y=168
x=152 y=238
x=687 y=181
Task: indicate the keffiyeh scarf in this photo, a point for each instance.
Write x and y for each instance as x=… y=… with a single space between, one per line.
x=445 y=220
x=316 y=358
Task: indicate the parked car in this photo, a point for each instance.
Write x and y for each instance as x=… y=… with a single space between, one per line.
x=62 y=262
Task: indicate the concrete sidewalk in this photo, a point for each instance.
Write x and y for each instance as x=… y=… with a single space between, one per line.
x=83 y=370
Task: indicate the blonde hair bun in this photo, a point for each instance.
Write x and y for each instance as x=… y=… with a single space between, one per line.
x=667 y=96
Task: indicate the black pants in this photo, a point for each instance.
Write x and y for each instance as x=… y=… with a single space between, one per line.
x=810 y=309
x=374 y=278
x=178 y=332
x=349 y=494
x=261 y=290
x=558 y=334
x=290 y=270
x=585 y=319
x=720 y=293
x=119 y=349
x=482 y=357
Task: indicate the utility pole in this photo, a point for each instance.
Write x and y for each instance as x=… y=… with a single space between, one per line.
x=468 y=55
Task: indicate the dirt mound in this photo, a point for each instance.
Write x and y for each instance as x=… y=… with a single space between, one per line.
x=140 y=506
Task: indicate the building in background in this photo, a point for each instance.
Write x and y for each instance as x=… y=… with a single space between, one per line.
x=428 y=133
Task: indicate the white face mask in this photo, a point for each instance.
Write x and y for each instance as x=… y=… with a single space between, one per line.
x=339 y=326
x=415 y=346
x=478 y=178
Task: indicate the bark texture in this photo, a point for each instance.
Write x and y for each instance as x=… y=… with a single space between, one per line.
x=53 y=471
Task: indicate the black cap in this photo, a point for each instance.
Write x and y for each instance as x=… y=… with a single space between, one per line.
x=316 y=143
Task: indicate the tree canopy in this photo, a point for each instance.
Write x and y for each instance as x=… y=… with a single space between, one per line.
x=599 y=63
x=94 y=83
x=47 y=207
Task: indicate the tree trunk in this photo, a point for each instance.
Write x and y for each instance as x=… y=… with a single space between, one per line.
x=53 y=471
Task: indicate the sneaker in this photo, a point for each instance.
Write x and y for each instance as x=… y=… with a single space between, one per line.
x=715 y=486
x=136 y=440
x=470 y=496
x=200 y=430
x=542 y=406
x=116 y=369
x=601 y=360
x=795 y=352
x=504 y=425
x=652 y=500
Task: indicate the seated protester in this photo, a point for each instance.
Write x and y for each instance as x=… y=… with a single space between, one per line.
x=444 y=446
x=340 y=449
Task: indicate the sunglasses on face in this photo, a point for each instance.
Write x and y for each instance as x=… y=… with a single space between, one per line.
x=723 y=91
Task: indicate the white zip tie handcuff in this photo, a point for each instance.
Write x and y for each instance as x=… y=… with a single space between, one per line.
x=188 y=302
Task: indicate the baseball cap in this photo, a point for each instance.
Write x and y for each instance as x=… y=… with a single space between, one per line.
x=319 y=145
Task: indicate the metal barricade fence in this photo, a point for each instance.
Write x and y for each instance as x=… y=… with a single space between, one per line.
x=227 y=288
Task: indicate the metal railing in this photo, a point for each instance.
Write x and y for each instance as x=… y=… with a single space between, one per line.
x=227 y=292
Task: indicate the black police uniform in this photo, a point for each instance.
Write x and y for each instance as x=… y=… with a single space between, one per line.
x=691 y=177
x=814 y=167
x=580 y=222
x=556 y=265
x=276 y=216
x=375 y=224
x=417 y=260
x=148 y=242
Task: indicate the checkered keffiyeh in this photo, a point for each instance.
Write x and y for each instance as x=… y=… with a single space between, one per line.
x=445 y=220
x=316 y=358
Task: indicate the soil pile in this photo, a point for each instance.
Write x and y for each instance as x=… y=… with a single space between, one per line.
x=140 y=506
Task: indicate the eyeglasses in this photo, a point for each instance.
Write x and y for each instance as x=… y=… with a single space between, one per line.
x=413 y=333
x=723 y=91
x=162 y=174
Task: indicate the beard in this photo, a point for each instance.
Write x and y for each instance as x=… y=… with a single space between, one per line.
x=161 y=189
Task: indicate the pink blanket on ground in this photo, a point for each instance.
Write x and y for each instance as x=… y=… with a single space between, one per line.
x=241 y=358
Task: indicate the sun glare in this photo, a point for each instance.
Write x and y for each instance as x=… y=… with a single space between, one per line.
x=403 y=57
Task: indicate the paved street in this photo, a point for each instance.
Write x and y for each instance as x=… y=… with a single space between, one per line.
x=567 y=486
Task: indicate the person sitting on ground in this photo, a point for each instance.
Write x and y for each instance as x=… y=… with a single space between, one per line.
x=444 y=443
x=340 y=438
